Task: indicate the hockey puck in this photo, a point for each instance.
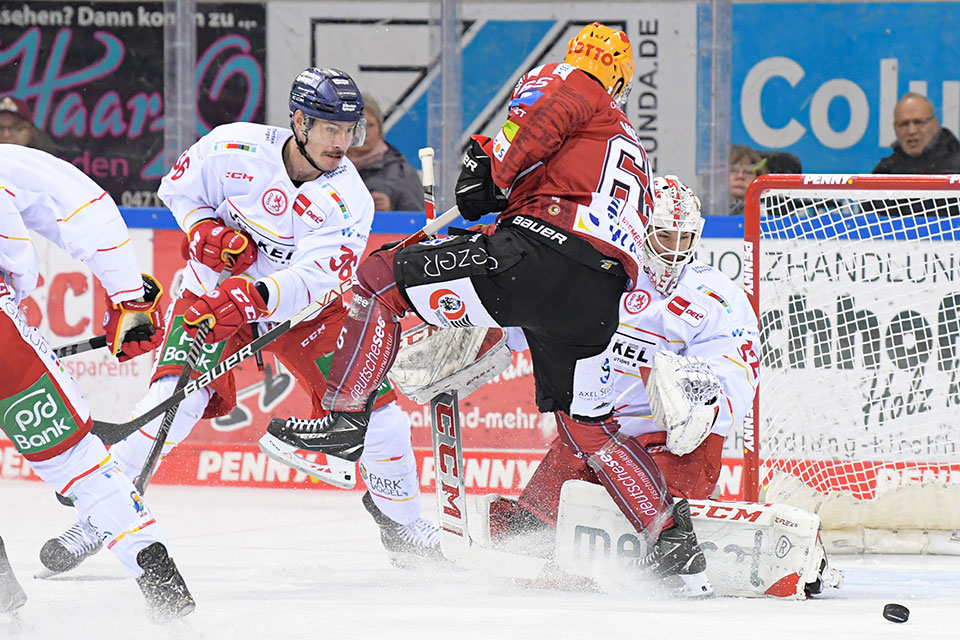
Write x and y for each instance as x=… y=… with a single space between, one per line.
x=896 y=612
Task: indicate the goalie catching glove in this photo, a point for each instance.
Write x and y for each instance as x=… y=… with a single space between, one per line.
x=142 y=317
x=235 y=303
x=684 y=395
x=219 y=247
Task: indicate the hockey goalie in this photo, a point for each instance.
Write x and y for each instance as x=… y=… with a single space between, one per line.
x=685 y=363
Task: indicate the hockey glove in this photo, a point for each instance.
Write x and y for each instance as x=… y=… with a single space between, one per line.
x=219 y=247
x=684 y=395
x=235 y=303
x=477 y=193
x=136 y=317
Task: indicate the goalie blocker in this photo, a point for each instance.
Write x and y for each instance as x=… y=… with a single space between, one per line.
x=752 y=550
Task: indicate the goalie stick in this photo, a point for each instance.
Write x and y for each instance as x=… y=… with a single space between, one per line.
x=455 y=541
x=112 y=433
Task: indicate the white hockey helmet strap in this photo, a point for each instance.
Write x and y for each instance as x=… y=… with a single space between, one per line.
x=677 y=209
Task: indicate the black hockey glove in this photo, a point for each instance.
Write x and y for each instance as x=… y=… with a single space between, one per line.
x=477 y=193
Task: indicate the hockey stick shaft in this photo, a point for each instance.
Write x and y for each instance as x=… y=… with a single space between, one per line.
x=97 y=342
x=196 y=348
x=429 y=182
x=448 y=469
x=112 y=433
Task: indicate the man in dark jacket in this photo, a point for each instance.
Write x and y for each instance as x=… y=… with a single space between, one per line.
x=922 y=145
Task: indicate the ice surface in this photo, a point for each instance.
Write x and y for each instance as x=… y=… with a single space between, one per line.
x=270 y=564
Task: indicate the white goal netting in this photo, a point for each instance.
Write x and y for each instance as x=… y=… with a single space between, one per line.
x=857 y=284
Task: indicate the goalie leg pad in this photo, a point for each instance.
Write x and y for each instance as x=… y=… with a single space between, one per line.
x=751 y=549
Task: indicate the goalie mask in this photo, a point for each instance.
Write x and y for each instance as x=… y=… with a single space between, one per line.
x=606 y=54
x=332 y=95
x=672 y=233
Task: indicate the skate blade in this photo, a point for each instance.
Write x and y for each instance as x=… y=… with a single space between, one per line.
x=337 y=471
x=695 y=585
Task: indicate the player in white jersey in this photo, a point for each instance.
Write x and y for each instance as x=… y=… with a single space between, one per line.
x=289 y=215
x=702 y=325
x=41 y=408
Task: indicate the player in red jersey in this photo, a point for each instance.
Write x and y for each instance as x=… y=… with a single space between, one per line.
x=573 y=187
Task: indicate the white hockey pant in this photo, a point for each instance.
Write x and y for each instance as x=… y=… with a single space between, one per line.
x=131 y=452
x=105 y=498
x=388 y=466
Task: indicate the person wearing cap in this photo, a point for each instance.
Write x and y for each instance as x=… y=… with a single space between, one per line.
x=392 y=181
x=16 y=126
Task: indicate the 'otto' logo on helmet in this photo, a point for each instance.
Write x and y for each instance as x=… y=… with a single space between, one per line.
x=448 y=304
x=601 y=55
x=636 y=301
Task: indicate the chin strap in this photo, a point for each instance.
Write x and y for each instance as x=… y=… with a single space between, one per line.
x=303 y=150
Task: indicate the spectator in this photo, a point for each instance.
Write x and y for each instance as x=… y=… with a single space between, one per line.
x=392 y=181
x=781 y=162
x=922 y=145
x=745 y=165
x=16 y=126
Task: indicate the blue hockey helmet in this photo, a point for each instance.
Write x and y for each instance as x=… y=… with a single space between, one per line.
x=329 y=94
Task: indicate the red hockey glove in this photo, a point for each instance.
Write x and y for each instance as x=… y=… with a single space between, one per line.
x=219 y=247
x=477 y=193
x=142 y=319
x=234 y=303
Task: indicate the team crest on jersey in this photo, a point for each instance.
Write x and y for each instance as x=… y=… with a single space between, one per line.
x=687 y=311
x=304 y=208
x=274 y=202
x=636 y=301
x=449 y=306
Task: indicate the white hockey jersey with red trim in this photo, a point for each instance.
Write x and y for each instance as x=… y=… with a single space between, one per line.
x=708 y=316
x=42 y=193
x=309 y=237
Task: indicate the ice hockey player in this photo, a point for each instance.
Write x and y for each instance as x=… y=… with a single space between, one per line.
x=290 y=216
x=685 y=364
x=564 y=247
x=43 y=412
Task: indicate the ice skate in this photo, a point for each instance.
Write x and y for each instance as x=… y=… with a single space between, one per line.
x=69 y=549
x=11 y=593
x=339 y=433
x=677 y=555
x=167 y=595
x=406 y=542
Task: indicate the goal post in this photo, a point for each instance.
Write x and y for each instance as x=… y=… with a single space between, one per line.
x=856 y=282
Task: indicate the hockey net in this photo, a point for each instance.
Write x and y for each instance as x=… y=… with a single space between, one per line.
x=856 y=281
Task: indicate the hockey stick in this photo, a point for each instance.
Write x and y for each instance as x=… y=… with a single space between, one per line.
x=196 y=348
x=455 y=541
x=112 y=433
x=426 y=164
x=141 y=332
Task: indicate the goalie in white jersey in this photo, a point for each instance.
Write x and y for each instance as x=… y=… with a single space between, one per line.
x=41 y=408
x=685 y=365
x=289 y=215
